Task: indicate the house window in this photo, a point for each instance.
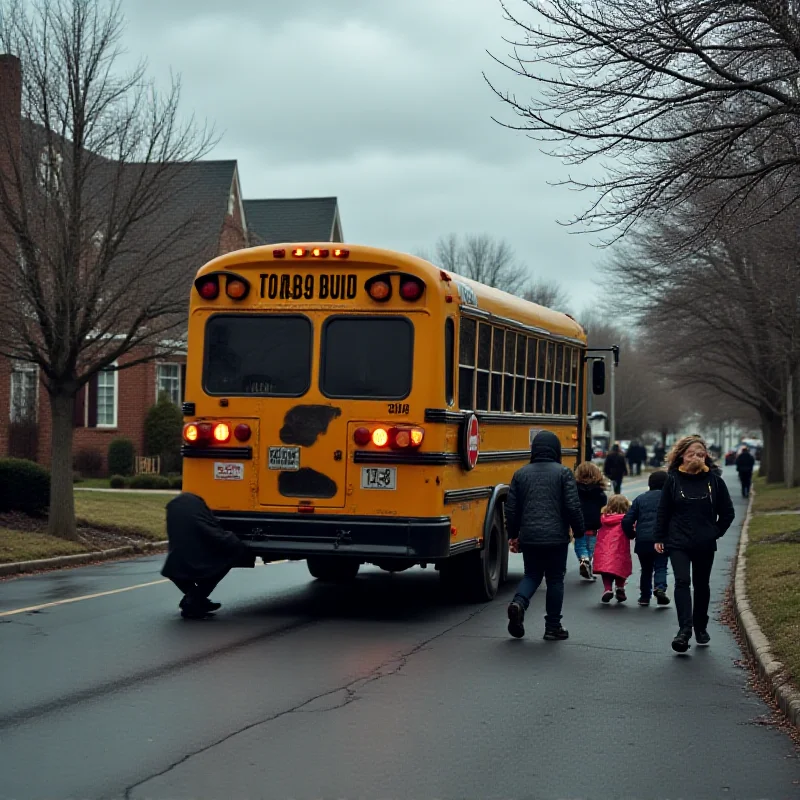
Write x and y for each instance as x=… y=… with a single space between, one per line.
x=168 y=381
x=24 y=383
x=107 y=398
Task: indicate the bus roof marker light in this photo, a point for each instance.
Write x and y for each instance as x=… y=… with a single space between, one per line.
x=299 y=252
x=279 y=253
x=340 y=253
x=319 y=253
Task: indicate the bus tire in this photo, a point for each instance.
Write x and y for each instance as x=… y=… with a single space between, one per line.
x=483 y=568
x=503 y=547
x=332 y=569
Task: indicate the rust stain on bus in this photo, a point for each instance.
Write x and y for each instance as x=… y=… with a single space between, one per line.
x=304 y=424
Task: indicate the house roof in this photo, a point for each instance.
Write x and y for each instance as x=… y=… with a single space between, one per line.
x=301 y=219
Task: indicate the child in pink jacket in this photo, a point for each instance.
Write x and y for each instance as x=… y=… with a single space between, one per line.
x=612 y=554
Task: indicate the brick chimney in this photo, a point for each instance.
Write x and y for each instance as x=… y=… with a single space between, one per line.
x=10 y=108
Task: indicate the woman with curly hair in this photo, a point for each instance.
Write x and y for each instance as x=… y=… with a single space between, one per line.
x=695 y=510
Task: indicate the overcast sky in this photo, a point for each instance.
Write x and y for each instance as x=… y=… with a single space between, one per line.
x=378 y=102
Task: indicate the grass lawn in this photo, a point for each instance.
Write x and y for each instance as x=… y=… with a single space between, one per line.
x=773 y=566
x=141 y=512
x=93 y=483
x=26 y=546
x=111 y=516
x=775 y=497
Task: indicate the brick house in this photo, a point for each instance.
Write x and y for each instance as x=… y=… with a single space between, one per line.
x=115 y=402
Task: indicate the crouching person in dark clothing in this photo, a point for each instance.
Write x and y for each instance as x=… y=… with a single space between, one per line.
x=541 y=507
x=201 y=553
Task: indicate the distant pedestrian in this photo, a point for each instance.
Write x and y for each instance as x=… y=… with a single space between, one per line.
x=201 y=553
x=695 y=510
x=615 y=468
x=744 y=466
x=612 y=555
x=658 y=455
x=636 y=455
x=541 y=507
x=592 y=494
x=640 y=522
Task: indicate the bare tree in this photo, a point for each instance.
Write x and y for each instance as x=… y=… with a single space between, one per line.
x=550 y=294
x=673 y=97
x=94 y=264
x=726 y=315
x=483 y=259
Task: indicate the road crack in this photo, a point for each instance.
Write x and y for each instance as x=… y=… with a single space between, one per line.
x=349 y=692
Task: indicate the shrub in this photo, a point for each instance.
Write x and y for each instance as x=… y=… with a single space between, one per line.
x=117 y=482
x=89 y=463
x=162 y=433
x=149 y=482
x=24 y=486
x=176 y=482
x=121 y=456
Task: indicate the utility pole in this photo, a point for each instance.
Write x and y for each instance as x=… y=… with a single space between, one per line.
x=612 y=417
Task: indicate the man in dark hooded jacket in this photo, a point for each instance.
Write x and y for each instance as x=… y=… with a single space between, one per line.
x=744 y=466
x=542 y=505
x=201 y=553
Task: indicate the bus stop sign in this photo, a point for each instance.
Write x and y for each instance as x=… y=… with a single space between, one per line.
x=470 y=442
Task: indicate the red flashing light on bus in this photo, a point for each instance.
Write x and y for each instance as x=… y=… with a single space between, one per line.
x=299 y=252
x=208 y=288
x=411 y=289
x=340 y=253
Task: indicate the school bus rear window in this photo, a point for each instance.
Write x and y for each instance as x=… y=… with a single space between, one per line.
x=367 y=358
x=257 y=355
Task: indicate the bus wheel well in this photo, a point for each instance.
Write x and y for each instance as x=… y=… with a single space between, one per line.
x=494 y=511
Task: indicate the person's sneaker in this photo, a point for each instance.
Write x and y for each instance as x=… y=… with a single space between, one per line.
x=661 y=597
x=680 y=644
x=607 y=596
x=702 y=637
x=620 y=594
x=516 y=616
x=210 y=606
x=643 y=601
x=586 y=569
x=556 y=634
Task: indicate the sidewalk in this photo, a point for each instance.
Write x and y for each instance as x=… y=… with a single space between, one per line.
x=126 y=491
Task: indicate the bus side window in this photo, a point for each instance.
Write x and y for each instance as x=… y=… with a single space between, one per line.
x=449 y=355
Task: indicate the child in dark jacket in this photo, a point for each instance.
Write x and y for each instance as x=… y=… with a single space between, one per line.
x=640 y=522
x=591 y=491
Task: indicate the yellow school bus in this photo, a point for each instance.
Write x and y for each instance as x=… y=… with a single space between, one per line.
x=351 y=405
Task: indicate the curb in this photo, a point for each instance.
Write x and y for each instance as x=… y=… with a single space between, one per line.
x=772 y=670
x=19 y=567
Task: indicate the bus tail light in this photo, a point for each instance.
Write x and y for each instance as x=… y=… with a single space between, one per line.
x=362 y=436
x=406 y=438
x=411 y=289
x=340 y=253
x=197 y=432
x=208 y=287
x=379 y=288
x=222 y=432
x=380 y=437
x=242 y=432
x=237 y=288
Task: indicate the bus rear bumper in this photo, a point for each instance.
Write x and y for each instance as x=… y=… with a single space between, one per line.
x=298 y=536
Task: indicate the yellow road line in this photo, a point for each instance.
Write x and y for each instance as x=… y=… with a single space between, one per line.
x=100 y=594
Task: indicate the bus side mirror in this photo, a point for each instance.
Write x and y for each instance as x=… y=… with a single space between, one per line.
x=599 y=376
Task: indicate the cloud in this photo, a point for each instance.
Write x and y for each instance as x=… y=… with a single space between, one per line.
x=382 y=104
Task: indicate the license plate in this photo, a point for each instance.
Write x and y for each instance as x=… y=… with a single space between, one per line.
x=385 y=478
x=228 y=471
x=284 y=458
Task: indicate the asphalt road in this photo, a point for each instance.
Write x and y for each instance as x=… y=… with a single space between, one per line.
x=383 y=689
